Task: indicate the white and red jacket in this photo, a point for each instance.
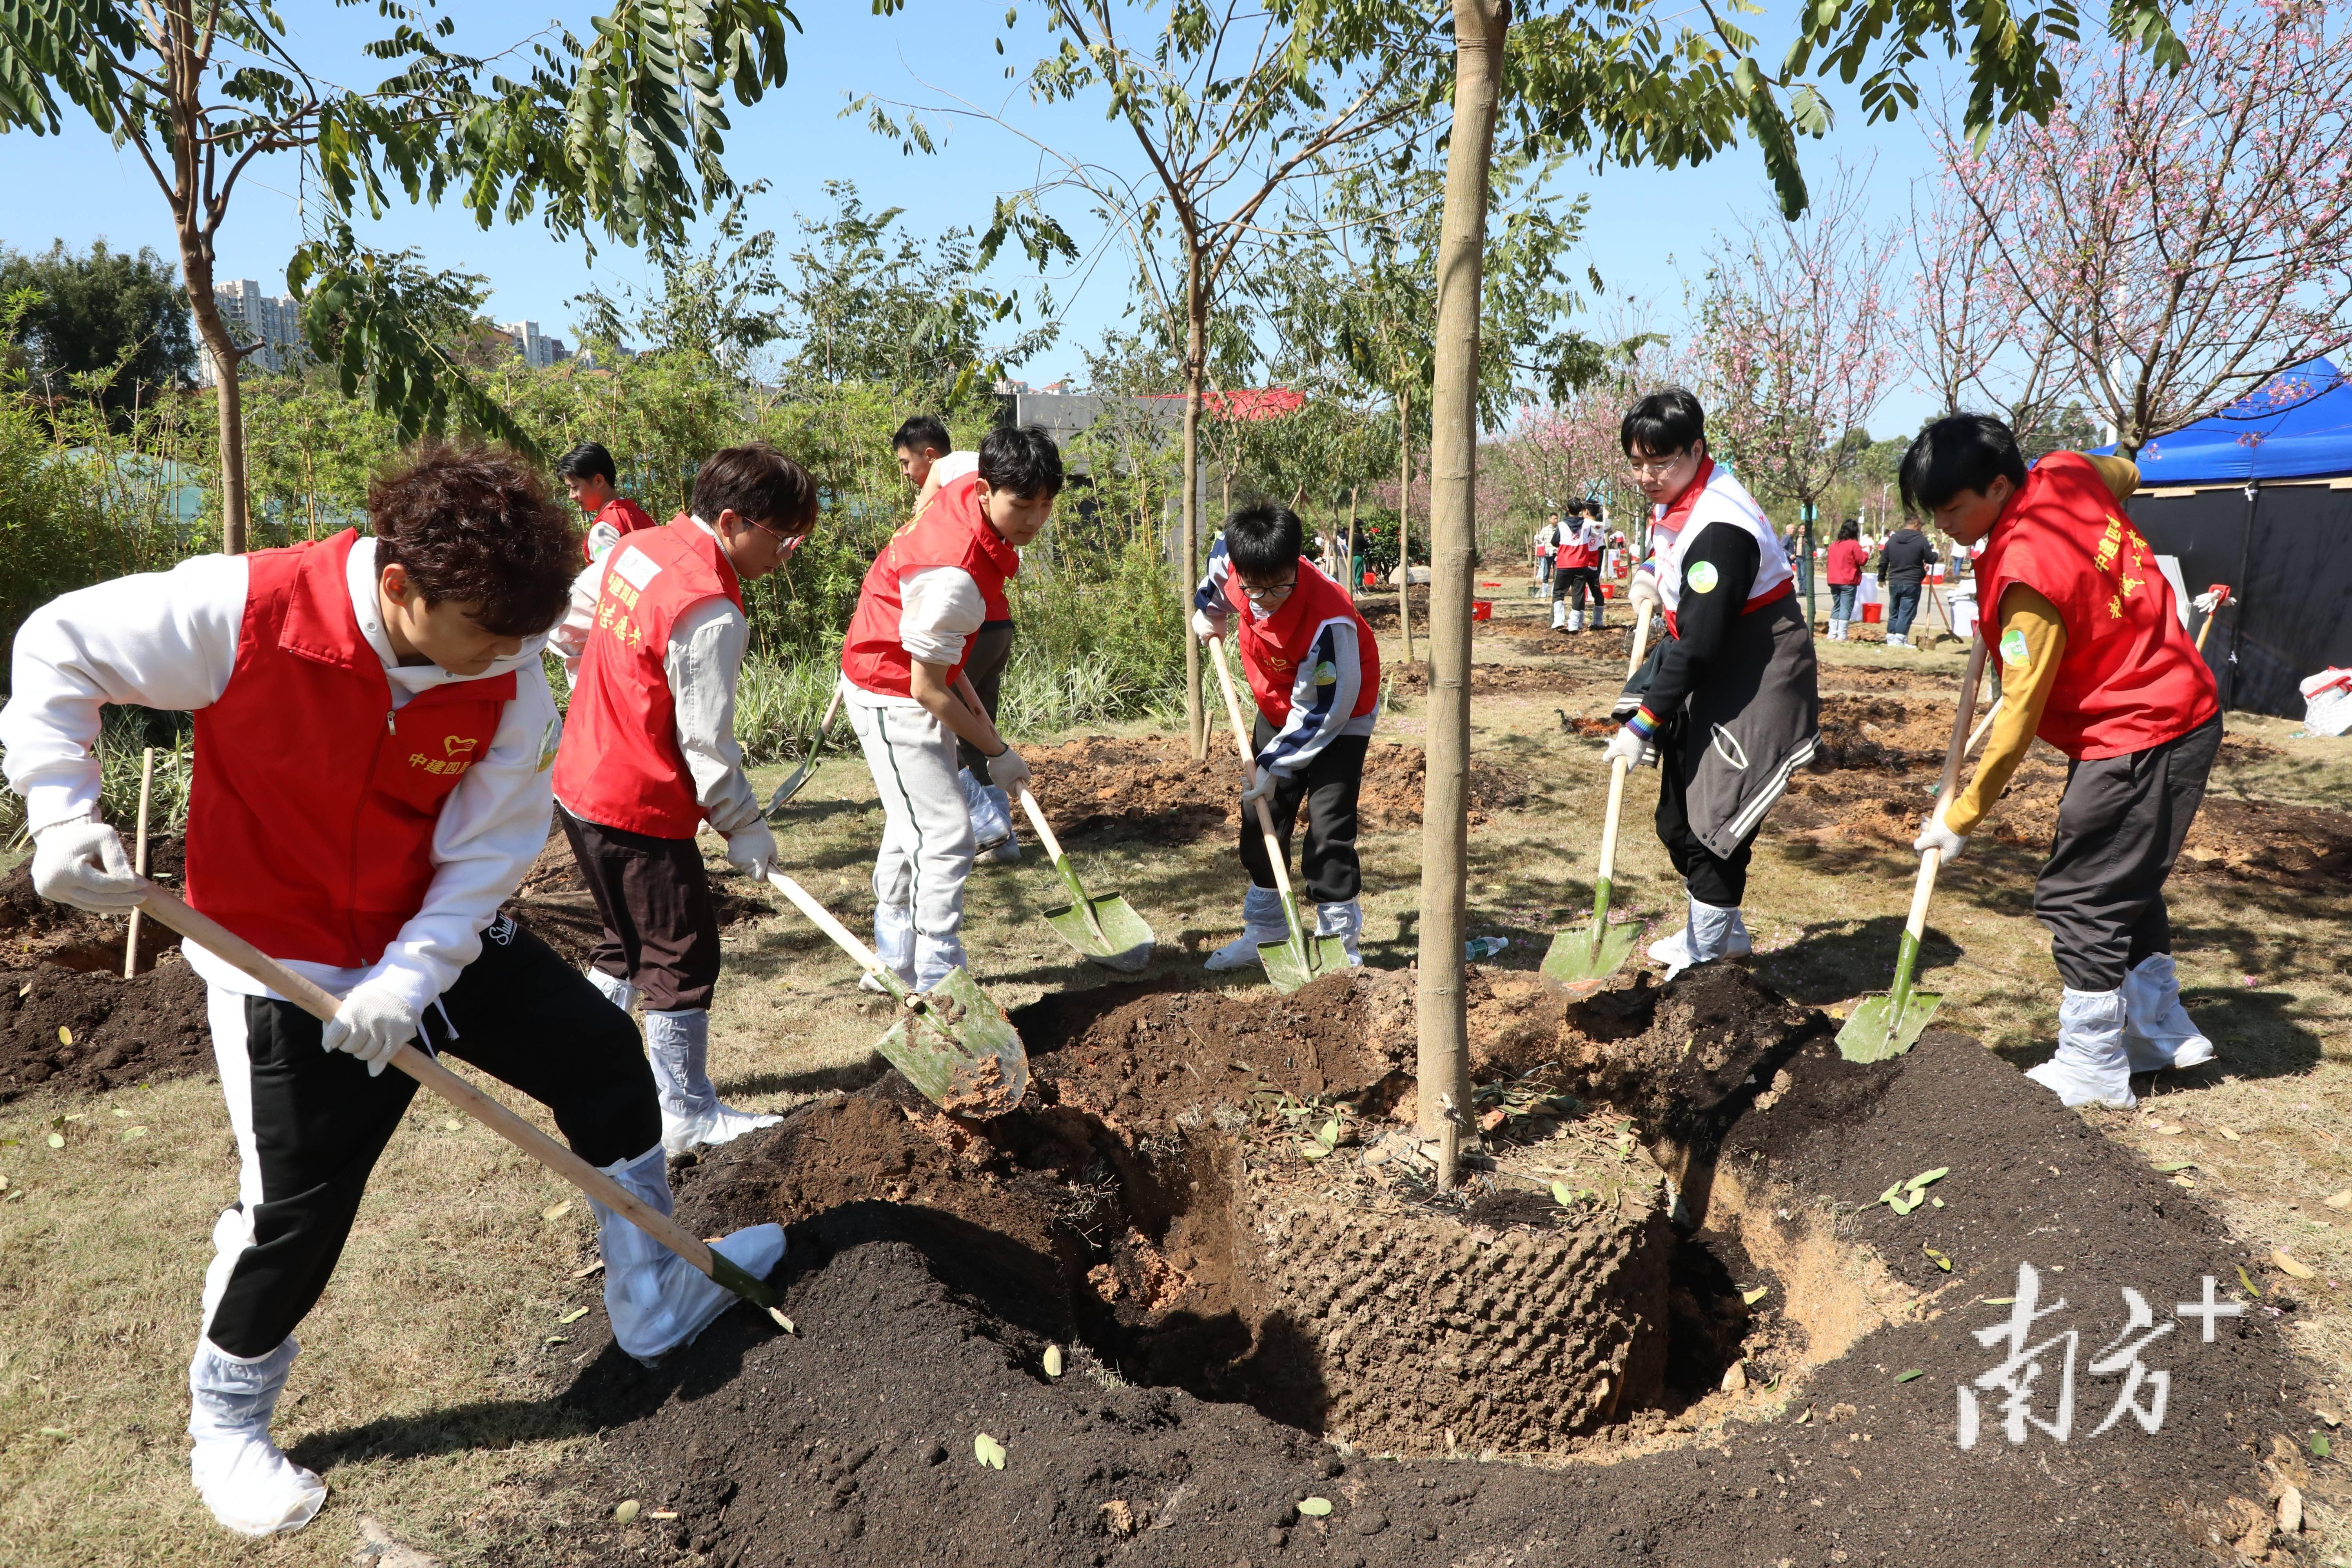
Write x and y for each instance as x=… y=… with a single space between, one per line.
x=653 y=641
x=358 y=818
x=1312 y=664
x=938 y=581
x=1580 y=546
x=1714 y=495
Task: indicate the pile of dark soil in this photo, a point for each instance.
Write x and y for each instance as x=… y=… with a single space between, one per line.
x=933 y=1265
x=1148 y=790
x=82 y=1030
x=33 y=931
x=554 y=902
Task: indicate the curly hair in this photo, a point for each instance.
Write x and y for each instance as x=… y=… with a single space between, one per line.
x=476 y=526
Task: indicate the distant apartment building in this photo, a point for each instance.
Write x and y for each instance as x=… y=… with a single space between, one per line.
x=538 y=349
x=275 y=321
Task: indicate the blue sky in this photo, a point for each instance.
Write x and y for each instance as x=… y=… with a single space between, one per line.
x=1648 y=228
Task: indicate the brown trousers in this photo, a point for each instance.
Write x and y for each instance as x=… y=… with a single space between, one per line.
x=661 y=930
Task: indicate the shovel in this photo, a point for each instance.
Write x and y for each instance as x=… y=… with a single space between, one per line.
x=1887 y=1025
x=219 y=940
x=1298 y=958
x=952 y=1042
x=1105 y=929
x=1584 y=958
x=791 y=786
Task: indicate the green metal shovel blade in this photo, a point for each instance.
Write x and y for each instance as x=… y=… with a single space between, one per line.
x=1875 y=1033
x=1117 y=937
x=1324 y=956
x=1591 y=951
x=800 y=776
x=959 y=1049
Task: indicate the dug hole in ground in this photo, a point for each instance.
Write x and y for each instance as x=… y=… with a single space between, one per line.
x=1668 y=1321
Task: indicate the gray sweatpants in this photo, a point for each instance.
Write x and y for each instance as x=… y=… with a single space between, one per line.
x=927 y=843
x=2120 y=828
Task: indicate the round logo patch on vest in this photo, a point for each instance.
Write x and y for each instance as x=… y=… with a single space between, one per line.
x=2012 y=646
x=1701 y=577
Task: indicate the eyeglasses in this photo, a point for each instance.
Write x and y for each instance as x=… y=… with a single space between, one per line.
x=1269 y=596
x=785 y=543
x=1656 y=467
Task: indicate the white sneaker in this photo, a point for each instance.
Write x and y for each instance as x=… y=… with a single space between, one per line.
x=2157 y=1031
x=251 y=1487
x=2091 y=1066
x=1893 y=640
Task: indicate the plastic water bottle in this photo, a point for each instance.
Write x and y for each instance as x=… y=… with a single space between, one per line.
x=1479 y=947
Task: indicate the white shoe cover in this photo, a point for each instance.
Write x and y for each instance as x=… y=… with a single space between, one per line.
x=1262 y=922
x=1559 y=615
x=1720 y=934
x=1894 y=639
x=1837 y=631
x=1575 y=621
x=2157 y=1031
x=250 y=1486
x=621 y=993
x=991 y=809
x=1342 y=920
x=657 y=1300
x=678 y=1044
x=893 y=944
x=2091 y=1066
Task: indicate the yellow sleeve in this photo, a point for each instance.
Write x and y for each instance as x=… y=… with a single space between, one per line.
x=2032 y=640
x=2122 y=476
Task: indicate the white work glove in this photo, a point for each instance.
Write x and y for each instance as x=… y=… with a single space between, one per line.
x=1007 y=772
x=373 y=1023
x=1259 y=786
x=753 y=850
x=1625 y=743
x=1934 y=835
x=1642 y=592
x=2211 y=599
x=1206 y=625
x=82 y=864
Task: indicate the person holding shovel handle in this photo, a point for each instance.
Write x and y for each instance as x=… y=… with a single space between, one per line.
x=2095 y=660
x=373 y=735
x=1316 y=673
x=1730 y=699
x=910 y=696
x=653 y=640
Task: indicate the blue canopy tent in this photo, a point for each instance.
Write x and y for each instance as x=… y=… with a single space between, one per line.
x=2259 y=497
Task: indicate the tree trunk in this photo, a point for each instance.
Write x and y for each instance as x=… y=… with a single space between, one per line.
x=196 y=268
x=1348 y=551
x=1404 y=518
x=1443 y=1067
x=1195 y=353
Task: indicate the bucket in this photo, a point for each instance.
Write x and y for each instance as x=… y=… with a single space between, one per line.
x=1871 y=613
x=1608 y=590
x=1371 y=579
x=1482 y=609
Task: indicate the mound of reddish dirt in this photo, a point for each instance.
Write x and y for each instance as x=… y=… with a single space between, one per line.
x=33 y=931
x=1150 y=790
x=86 y=1030
x=1158 y=1218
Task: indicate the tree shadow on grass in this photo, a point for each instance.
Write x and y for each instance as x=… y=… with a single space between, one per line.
x=487 y=1424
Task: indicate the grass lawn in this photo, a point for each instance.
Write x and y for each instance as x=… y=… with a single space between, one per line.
x=428 y=1391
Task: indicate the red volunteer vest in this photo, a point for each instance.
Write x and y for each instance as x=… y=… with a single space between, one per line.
x=619 y=765
x=1574 y=554
x=621 y=515
x=950 y=532
x=311 y=813
x=2131 y=678
x=1271 y=648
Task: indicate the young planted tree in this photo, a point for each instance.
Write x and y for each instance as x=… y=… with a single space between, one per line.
x=2180 y=234
x=620 y=133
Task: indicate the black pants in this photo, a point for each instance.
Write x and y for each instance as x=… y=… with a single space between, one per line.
x=1574 y=584
x=1329 y=872
x=991 y=650
x=519 y=1013
x=1709 y=878
x=2120 y=828
x=661 y=930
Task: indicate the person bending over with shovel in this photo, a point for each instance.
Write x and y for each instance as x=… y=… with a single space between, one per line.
x=921 y=445
x=919 y=611
x=2095 y=660
x=374 y=734
x=1314 y=671
x=653 y=640
x=1731 y=699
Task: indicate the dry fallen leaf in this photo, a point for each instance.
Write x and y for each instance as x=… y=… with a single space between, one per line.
x=1314 y=1507
x=134 y=1132
x=593 y=1267
x=573 y=1316
x=1053 y=1361
x=2225 y=1132
x=2342 y=1200
x=451 y=1124
x=1752 y=1296
x=663 y=1513
x=57 y=1139
x=556 y=1211
x=988 y=1451
x=2289 y=1263
x=627 y=1512
x=64 y=1035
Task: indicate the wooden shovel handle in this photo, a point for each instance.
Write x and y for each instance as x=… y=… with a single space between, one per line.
x=1036 y=814
x=1249 y=762
x=822 y=918
x=321 y=1004
x=1961 y=718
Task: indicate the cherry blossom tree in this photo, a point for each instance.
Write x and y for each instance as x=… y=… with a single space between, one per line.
x=1962 y=343
x=2180 y=236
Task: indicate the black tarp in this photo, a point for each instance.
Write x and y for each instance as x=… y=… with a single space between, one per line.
x=2285 y=550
